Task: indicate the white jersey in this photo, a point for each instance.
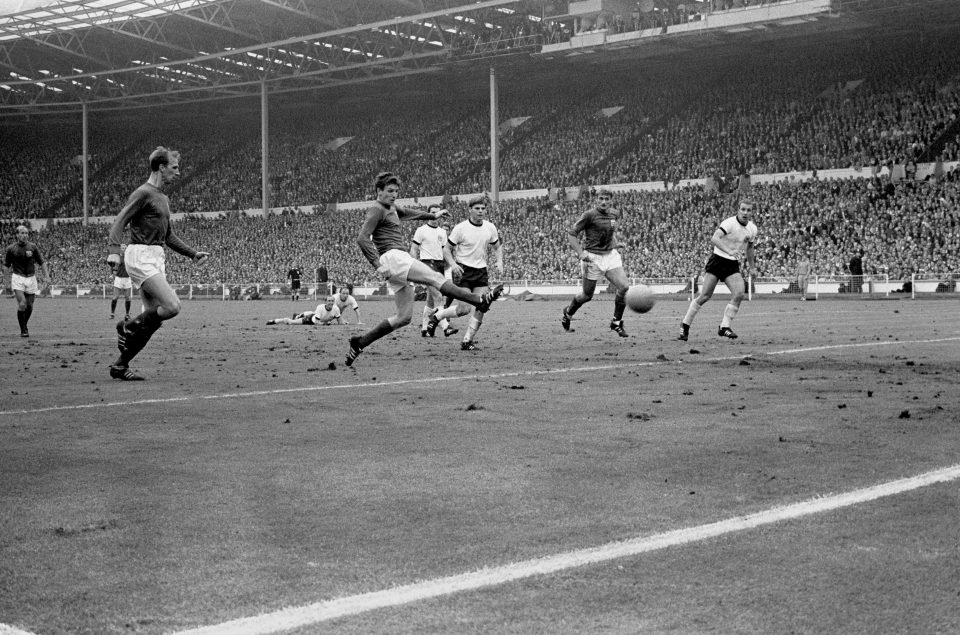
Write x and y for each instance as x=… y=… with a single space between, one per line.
x=469 y=243
x=736 y=237
x=430 y=240
x=322 y=316
x=343 y=305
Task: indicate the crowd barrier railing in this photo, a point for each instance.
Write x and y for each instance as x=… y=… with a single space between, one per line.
x=848 y=286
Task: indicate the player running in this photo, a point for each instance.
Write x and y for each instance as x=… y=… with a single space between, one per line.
x=20 y=260
x=429 y=242
x=147 y=213
x=468 y=258
x=731 y=240
x=122 y=286
x=599 y=258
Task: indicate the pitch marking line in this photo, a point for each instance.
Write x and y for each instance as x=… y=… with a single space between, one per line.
x=431 y=380
x=295 y=617
x=6 y=629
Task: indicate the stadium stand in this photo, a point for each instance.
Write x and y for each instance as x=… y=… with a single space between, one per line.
x=904 y=227
x=880 y=104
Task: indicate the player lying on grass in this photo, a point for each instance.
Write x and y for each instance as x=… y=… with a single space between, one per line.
x=325 y=314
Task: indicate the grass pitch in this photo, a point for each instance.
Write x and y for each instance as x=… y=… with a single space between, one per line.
x=254 y=471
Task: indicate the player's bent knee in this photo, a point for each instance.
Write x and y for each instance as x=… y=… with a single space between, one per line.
x=169 y=310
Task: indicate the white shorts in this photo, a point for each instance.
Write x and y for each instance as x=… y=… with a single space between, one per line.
x=599 y=264
x=122 y=283
x=144 y=261
x=398 y=263
x=27 y=284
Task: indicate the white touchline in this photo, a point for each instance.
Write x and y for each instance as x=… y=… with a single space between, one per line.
x=432 y=380
x=295 y=617
x=6 y=629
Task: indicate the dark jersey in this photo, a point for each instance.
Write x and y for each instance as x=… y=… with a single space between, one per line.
x=148 y=213
x=294 y=275
x=381 y=230
x=598 y=228
x=23 y=259
x=120 y=269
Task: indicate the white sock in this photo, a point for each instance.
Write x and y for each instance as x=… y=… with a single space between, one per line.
x=472 y=329
x=692 y=311
x=449 y=312
x=728 y=314
x=426 y=317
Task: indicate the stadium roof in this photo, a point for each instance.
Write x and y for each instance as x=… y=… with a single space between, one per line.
x=60 y=56
x=126 y=53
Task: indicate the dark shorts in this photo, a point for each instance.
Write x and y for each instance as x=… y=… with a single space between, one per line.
x=436 y=265
x=295 y=285
x=473 y=278
x=722 y=267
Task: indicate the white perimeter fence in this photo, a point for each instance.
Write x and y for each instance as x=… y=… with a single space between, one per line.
x=845 y=286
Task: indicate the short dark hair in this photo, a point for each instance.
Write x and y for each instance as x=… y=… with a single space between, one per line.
x=476 y=200
x=162 y=156
x=604 y=190
x=386 y=178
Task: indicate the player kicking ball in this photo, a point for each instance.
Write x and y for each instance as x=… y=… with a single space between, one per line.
x=381 y=240
x=734 y=237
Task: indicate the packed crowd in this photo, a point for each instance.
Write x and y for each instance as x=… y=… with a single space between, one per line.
x=633 y=123
x=902 y=227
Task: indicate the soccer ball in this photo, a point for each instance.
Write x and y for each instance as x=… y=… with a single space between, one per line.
x=640 y=298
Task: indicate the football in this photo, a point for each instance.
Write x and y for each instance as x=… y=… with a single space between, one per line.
x=640 y=298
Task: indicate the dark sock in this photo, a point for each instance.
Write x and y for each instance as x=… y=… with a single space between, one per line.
x=145 y=320
x=619 y=304
x=126 y=305
x=113 y=305
x=447 y=301
x=22 y=319
x=136 y=343
x=575 y=304
x=371 y=336
x=453 y=291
